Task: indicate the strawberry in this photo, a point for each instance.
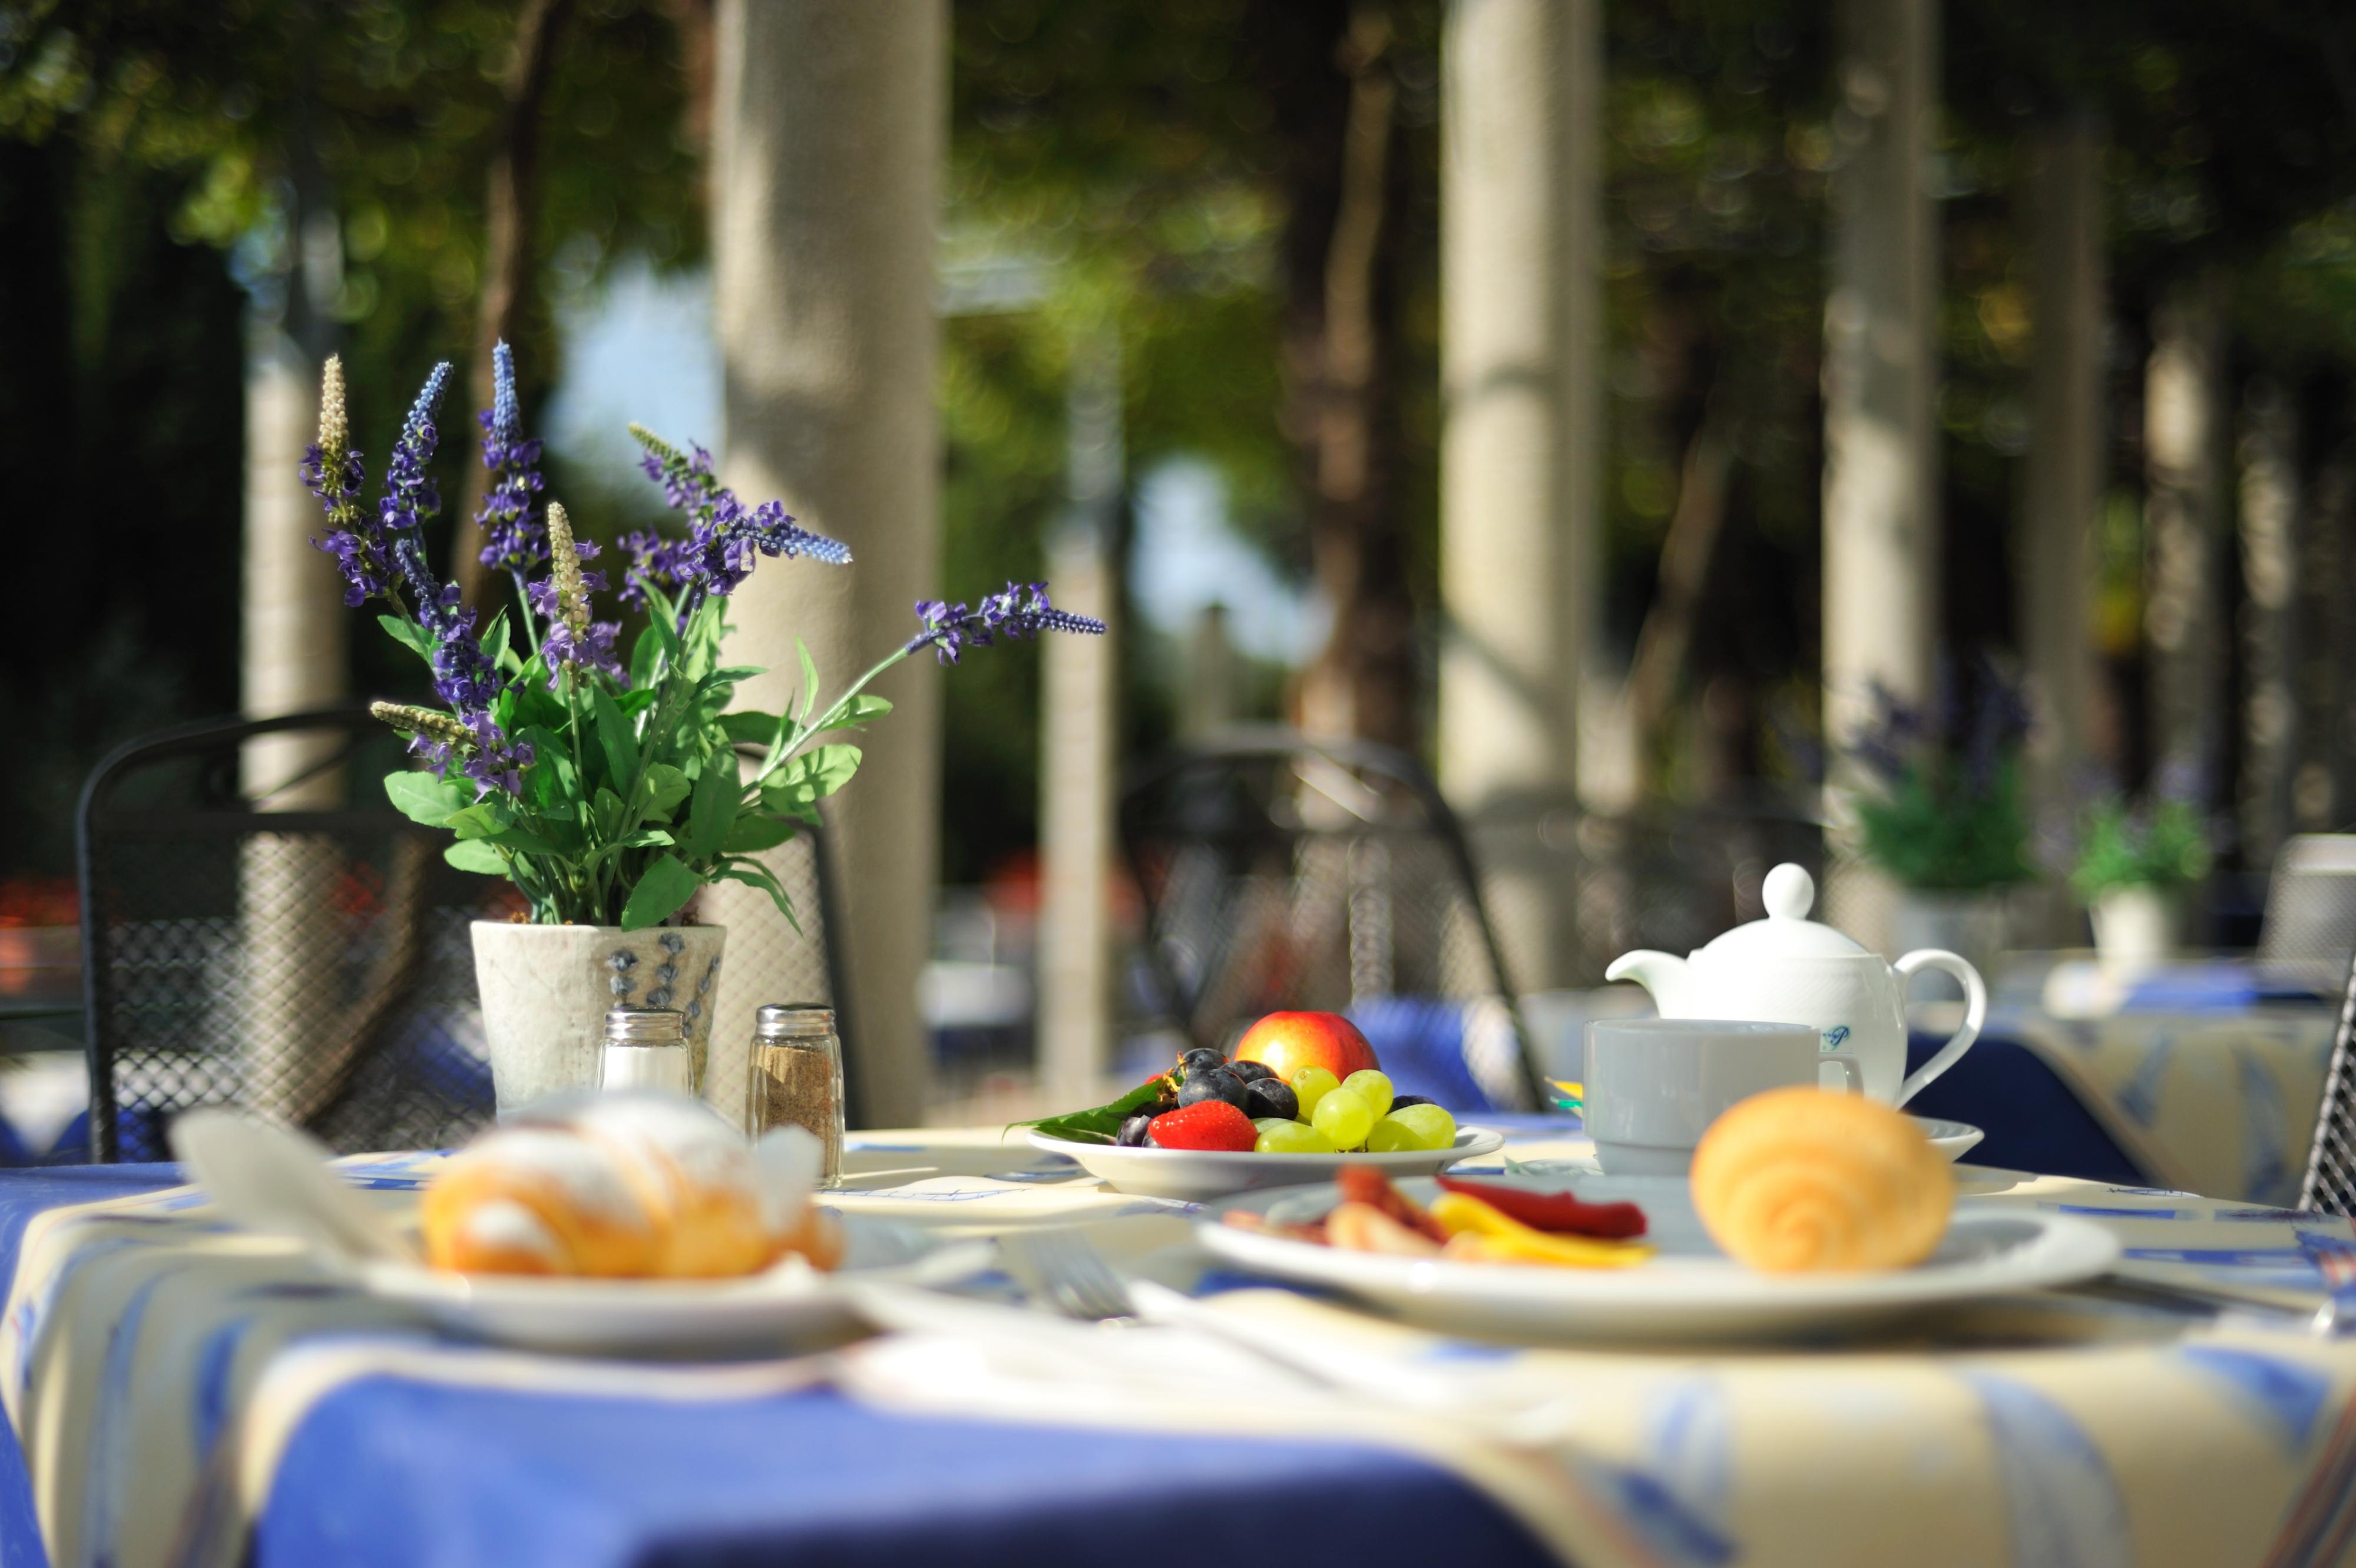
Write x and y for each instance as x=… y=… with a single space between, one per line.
x=1205 y=1125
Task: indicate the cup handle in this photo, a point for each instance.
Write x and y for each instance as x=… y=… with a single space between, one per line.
x=1853 y=1075
x=1975 y=1013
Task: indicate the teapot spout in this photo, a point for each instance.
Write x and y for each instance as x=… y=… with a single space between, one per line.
x=1655 y=972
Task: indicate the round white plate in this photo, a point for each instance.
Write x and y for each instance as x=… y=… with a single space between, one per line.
x=1690 y=1290
x=791 y=1304
x=1950 y=1138
x=1199 y=1174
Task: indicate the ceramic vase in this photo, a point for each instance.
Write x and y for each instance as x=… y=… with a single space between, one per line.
x=2134 y=928
x=546 y=989
x=1970 y=924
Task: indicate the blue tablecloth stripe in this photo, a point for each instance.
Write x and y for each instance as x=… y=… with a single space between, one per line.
x=387 y=1473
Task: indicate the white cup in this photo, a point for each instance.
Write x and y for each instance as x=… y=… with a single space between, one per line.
x=1655 y=1085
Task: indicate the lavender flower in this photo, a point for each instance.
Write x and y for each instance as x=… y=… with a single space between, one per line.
x=949 y=629
x=515 y=542
x=333 y=471
x=723 y=538
x=562 y=598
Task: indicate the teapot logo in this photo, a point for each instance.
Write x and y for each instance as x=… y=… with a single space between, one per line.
x=1835 y=1037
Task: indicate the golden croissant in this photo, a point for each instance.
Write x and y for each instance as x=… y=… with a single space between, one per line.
x=617 y=1186
x=1800 y=1180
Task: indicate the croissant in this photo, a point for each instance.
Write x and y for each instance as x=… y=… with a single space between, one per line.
x=618 y=1186
x=1800 y=1180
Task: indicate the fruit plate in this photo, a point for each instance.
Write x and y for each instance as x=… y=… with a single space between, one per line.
x=1200 y=1173
x=1688 y=1291
x=1953 y=1139
x=790 y=1306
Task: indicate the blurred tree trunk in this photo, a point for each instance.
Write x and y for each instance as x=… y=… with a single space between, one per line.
x=2321 y=786
x=1665 y=639
x=2184 y=525
x=2269 y=516
x=2066 y=455
x=1339 y=327
x=510 y=207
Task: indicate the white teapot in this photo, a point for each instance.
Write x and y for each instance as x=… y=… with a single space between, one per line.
x=1788 y=969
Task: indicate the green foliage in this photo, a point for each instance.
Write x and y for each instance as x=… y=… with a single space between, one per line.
x=2161 y=844
x=1933 y=828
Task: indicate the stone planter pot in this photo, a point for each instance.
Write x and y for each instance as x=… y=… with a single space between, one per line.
x=1971 y=925
x=2135 y=927
x=546 y=989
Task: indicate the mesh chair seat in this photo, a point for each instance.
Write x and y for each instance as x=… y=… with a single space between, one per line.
x=2310 y=917
x=261 y=929
x=1282 y=873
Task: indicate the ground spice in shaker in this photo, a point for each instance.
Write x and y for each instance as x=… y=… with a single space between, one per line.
x=797 y=1077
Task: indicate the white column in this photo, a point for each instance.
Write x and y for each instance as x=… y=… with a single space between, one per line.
x=2065 y=452
x=292 y=623
x=828 y=124
x=1880 y=378
x=2184 y=524
x=1210 y=695
x=1080 y=728
x=1521 y=372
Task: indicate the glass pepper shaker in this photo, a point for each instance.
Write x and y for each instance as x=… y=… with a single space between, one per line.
x=797 y=1077
x=646 y=1048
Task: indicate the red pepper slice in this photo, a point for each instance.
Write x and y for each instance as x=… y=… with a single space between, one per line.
x=1558 y=1212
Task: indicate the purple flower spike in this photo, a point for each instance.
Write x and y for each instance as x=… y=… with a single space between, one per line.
x=514 y=541
x=724 y=540
x=1017 y=610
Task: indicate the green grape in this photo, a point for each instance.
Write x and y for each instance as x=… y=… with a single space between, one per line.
x=1344 y=1115
x=1265 y=1122
x=1311 y=1084
x=1392 y=1136
x=1374 y=1087
x=1279 y=1137
x=1430 y=1126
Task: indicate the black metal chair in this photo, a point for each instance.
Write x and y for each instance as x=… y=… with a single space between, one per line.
x=1279 y=872
x=2330 y=1187
x=260 y=928
x=2309 y=929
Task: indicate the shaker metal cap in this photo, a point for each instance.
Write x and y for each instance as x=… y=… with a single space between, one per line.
x=793 y=1021
x=644 y=1027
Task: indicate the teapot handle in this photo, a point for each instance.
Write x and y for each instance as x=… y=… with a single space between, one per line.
x=1974 y=1015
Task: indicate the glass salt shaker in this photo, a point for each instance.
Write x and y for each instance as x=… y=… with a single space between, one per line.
x=646 y=1048
x=797 y=1077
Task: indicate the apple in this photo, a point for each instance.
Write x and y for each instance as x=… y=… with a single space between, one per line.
x=1287 y=1042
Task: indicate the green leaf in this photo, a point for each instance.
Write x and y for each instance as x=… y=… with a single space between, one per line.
x=753 y=874
x=817 y=773
x=422 y=797
x=523 y=840
x=809 y=677
x=714 y=809
x=856 y=710
x=475 y=854
x=605 y=813
x=409 y=634
x=749 y=728
x=481 y=820
x=646 y=654
x=755 y=832
x=647 y=838
x=663 y=889
x=614 y=738
x=495 y=642
x=666 y=786
x=1101 y=1124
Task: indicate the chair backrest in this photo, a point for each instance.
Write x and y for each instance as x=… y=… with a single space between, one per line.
x=1279 y=872
x=2310 y=917
x=2329 y=1185
x=260 y=928
x=769 y=960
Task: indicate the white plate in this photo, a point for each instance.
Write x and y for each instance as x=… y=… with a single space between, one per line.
x=1199 y=1174
x=1950 y=1138
x=788 y=1305
x=1689 y=1290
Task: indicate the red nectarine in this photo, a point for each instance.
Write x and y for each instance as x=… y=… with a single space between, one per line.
x=1287 y=1042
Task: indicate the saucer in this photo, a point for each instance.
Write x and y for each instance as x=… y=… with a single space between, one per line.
x=1950 y=1138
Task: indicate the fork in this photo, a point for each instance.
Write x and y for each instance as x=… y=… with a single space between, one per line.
x=1073 y=1274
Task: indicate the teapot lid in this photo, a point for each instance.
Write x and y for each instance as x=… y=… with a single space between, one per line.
x=1786 y=932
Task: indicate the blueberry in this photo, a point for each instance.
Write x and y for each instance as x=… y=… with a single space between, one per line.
x=1216 y=1084
x=1202 y=1059
x=1133 y=1131
x=1397 y=1101
x=1271 y=1096
x=1251 y=1072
